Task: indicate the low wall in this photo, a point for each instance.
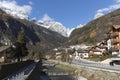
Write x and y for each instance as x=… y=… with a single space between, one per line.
x=8 y=69
x=37 y=72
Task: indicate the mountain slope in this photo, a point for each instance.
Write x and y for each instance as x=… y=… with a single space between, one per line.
x=95 y=30
x=39 y=38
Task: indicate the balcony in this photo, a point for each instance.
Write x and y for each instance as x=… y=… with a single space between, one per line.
x=114 y=34
x=116 y=48
x=117 y=40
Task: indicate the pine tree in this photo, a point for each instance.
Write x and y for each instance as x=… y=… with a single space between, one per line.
x=63 y=55
x=21 y=38
x=21 y=49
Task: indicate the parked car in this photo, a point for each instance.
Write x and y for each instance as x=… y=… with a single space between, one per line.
x=114 y=62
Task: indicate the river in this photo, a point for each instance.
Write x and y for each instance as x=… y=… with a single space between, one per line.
x=55 y=73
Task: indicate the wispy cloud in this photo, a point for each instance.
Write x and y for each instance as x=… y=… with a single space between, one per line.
x=11 y=6
x=110 y=8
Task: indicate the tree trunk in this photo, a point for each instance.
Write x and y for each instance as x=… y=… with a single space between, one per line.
x=18 y=59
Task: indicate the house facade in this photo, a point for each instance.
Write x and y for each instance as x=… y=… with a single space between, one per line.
x=4 y=51
x=98 y=50
x=78 y=54
x=113 y=43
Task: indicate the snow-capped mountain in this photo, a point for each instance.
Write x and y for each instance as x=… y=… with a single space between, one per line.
x=17 y=11
x=53 y=25
x=56 y=26
x=11 y=7
x=10 y=27
x=49 y=24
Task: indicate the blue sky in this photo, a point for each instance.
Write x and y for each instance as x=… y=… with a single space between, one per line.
x=70 y=13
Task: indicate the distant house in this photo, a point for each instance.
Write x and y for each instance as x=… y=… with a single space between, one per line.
x=98 y=50
x=4 y=51
x=78 y=54
x=95 y=52
x=80 y=46
x=103 y=43
x=84 y=54
x=58 y=55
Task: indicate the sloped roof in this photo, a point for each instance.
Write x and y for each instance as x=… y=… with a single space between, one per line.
x=82 y=51
x=116 y=26
x=2 y=48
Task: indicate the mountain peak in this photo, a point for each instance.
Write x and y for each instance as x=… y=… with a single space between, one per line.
x=55 y=26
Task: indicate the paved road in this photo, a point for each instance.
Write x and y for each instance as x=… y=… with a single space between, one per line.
x=96 y=65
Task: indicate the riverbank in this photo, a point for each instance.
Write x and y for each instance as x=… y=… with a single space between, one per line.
x=57 y=71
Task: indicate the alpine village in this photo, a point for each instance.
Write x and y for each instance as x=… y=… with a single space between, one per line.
x=28 y=51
